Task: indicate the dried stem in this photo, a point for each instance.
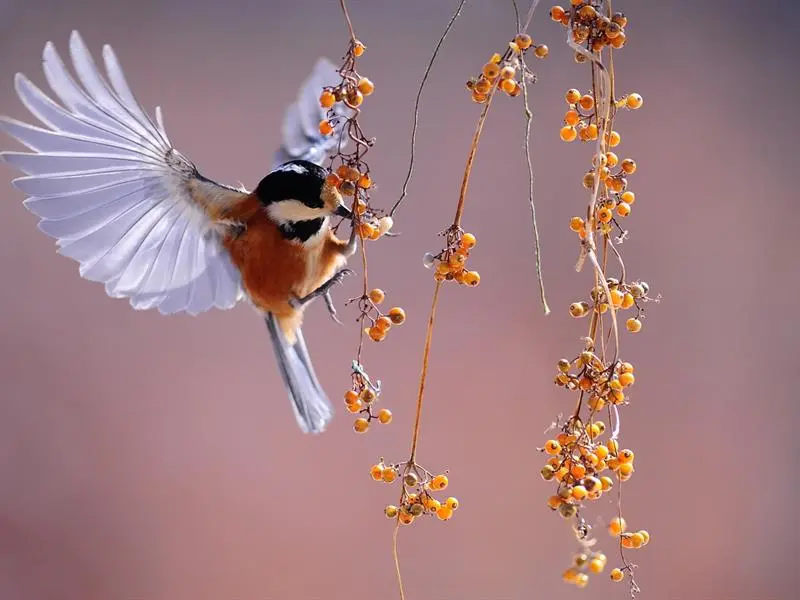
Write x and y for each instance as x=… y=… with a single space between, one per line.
x=416 y=105
x=424 y=374
x=349 y=22
x=462 y=196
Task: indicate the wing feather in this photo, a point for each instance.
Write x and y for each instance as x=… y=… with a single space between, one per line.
x=116 y=196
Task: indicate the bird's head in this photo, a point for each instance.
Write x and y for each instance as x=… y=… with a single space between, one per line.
x=297 y=191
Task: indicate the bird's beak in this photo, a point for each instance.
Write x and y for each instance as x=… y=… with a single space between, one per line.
x=343 y=211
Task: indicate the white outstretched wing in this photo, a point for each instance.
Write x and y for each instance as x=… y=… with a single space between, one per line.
x=114 y=193
x=301 y=137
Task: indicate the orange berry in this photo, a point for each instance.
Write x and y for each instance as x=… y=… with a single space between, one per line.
x=483 y=86
x=557 y=13
x=577 y=470
x=611 y=159
x=572 y=117
x=358 y=48
x=365 y=86
x=626 y=367
x=637 y=540
x=617 y=575
x=601 y=452
x=576 y=2
x=628 y=197
x=444 y=513
x=376 y=472
x=355 y=407
x=360 y=425
x=626 y=456
x=628 y=166
x=552 y=447
x=619 y=41
x=614 y=139
x=586 y=102
x=579 y=492
x=633 y=325
x=604 y=215
x=554 y=502
x=383 y=323
x=634 y=101
x=576 y=309
x=576 y=224
x=625 y=470
x=390 y=511
x=597 y=565
x=468 y=240
x=523 y=40
x=491 y=71
x=327 y=99
x=397 y=315
x=572 y=96
x=509 y=86
x=350 y=397
x=606 y=483
x=368 y=395
x=452 y=503
x=376 y=334
x=591 y=132
x=354 y=98
x=613 y=446
x=568 y=133
x=472 y=278
x=507 y=72
x=645 y=537
x=616 y=298
x=626 y=379
x=389 y=474
x=617 y=526
x=377 y=295
x=587 y=12
x=623 y=210
x=406 y=518
x=365 y=182
x=385 y=416
x=439 y=483
x=541 y=51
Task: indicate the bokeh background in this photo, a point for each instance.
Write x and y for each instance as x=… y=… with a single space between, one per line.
x=154 y=458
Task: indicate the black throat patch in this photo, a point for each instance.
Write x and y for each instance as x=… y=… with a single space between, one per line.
x=301 y=231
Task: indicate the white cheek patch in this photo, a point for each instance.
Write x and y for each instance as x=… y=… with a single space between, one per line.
x=293 y=210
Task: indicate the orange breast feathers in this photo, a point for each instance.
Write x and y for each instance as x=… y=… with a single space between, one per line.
x=274 y=269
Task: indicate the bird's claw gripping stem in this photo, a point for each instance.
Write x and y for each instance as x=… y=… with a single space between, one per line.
x=325 y=291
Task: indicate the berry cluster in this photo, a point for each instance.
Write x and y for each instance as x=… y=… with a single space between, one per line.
x=585 y=457
x=590 y=26
x=622 y=296
x=417 y=497
x=601 y=384
x=381 y=323
x=350 y=182
x=450 y=263
x=504 y=71
x=361 y=400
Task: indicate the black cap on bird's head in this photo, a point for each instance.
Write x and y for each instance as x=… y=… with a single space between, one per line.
x=298 y=191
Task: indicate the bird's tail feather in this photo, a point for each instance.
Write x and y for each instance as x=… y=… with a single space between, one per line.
x=311 y=406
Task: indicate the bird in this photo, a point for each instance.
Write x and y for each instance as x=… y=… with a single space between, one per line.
x=139 y=217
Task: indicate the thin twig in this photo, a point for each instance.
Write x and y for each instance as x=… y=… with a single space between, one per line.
x=416 y=106
x=349 y=22
x=528 y=122
x=530 y=16
x=424 y=374
x=462 y=196
x=397 y=559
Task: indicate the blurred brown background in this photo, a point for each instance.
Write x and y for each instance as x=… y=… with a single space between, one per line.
x=154 y=458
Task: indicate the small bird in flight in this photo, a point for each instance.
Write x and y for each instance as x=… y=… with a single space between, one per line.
x=139 y=217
